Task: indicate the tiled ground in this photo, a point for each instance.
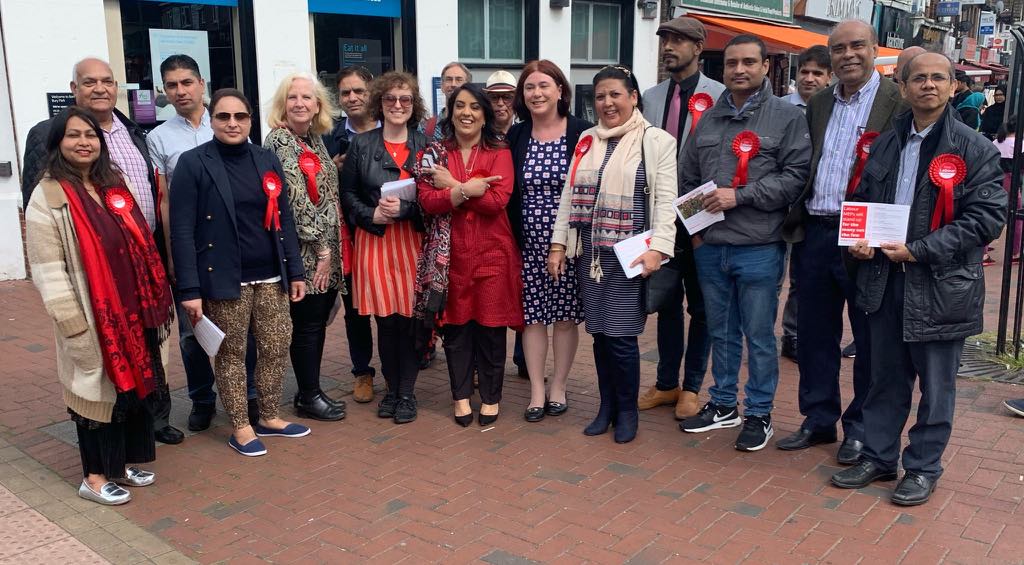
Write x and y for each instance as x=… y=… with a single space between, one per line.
x=365 y=490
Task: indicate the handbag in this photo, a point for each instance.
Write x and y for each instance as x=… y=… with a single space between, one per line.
x=661 y=287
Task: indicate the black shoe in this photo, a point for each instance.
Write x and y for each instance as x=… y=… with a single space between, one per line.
x=850 y=351
x=557 y=408
x=465 y=420
x=756 y=432
x=626 y=424
x=317 y=408
x=861 y=475
x=201 y=416
x=386 y=408
x=849 y=451
x=487 y=420
x=711 y=417
x=804 y=438
x=169 y=435
x=534 y=414
x=253 y=410
x=405 y=409
x=789 y=345
x=913 y=489
x=339 y=403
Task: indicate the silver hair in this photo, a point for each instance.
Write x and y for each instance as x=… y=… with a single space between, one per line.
x=469 y=75
x=74 y=68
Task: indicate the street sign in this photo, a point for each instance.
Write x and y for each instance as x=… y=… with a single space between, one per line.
x=987 y=23
x=997 y=43
x=947 y=9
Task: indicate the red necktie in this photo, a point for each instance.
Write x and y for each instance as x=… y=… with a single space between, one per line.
x=672 y=121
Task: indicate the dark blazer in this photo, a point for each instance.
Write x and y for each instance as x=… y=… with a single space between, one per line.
x=888 y=103
x=204 y=233
x=368 y=165
x=518 y=139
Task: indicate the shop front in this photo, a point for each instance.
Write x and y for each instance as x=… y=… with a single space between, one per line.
x=360 y=32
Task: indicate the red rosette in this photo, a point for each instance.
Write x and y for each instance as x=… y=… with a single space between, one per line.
x=745 y=145
x=945 y=171
x=309 y=164
x=582 y=148
x=699 y=103
x=120 y=201
x=272 y=188
x=861 y=155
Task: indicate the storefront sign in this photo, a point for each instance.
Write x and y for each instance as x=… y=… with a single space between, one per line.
x=947 y=9
x=893 y=41
x=380 y=8
x=143 y=105
x=57 y=102
x=363 y=52
x=838 y=10
x=967 y=2
x=970 y=48
x=777 y=10
x=166 y=42
x=987 y=23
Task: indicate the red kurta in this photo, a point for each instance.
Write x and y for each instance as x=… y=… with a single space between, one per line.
x=484 y=283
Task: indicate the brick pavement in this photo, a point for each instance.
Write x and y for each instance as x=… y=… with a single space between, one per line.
x=366 y=490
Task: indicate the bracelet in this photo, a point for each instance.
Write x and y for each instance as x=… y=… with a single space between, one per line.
x=556 y=247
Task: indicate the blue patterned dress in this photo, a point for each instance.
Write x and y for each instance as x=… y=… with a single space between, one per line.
x=544 y=173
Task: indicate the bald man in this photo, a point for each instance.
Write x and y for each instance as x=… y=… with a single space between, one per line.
x=905 y=56
x=861 y=101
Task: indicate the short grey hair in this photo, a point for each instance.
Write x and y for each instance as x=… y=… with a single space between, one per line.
x=905 y=71
x=874 y=32
x=74 y=68
x=469 y=75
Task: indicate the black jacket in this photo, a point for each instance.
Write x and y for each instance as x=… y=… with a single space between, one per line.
x=204 y=236
x=518 y=139
x=368 y=165
x=945 y=288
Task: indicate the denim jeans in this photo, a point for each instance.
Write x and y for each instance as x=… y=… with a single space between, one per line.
x=740 y=286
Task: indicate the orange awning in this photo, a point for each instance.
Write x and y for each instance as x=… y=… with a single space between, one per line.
x=783 y=38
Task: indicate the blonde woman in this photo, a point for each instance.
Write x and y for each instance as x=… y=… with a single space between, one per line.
x=300 y=113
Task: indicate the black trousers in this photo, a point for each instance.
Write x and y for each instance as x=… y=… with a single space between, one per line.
x=309 y=331
x=360 y=337
x=671 y=327
x=399 y=358
x=895 y=365
x=825 y=288
x=106 y=448
x=470 y=347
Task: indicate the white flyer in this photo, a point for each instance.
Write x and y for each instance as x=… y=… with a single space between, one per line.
x=208 y=335
x=877 y=223
x=404 y=189
x=627 y=250
x=690 y=208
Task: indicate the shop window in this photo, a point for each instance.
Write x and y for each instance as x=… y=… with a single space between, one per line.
x=343 y=39
x=595 y=32
x=491 y=31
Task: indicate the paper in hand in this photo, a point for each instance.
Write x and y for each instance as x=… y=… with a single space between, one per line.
x=690 y=208
x=627 y=250
x=872 y=221
x=208 y=335
x=404 y=189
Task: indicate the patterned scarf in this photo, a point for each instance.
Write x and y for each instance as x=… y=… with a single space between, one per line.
x=432 y=266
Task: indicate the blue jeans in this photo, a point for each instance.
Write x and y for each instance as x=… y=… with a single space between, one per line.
x=740 y=286
x=198 y=370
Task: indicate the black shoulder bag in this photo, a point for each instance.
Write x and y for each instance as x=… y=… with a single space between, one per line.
x=660 y=287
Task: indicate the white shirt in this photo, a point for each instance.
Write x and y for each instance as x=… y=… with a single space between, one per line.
x=172 y=138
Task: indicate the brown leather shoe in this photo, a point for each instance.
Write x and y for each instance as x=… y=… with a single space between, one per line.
x=363 y=389
x=687 y=406
x=653 y=397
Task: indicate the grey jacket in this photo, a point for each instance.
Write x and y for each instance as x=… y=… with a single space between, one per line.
x=654 y=105
x=776 y=174
x=944 y=292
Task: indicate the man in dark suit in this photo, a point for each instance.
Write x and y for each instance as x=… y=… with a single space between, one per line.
x=862 y=101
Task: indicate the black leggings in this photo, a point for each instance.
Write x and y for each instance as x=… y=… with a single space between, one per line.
x=107 y=447
x=309 y=331
x=399 y=359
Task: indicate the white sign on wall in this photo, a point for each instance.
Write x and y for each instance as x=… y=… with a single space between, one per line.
x=838 y=10
x=166 y=42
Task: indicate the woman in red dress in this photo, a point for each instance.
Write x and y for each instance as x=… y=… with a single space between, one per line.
x=469 y=273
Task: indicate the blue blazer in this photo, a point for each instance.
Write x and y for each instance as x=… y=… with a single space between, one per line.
x=204 y=232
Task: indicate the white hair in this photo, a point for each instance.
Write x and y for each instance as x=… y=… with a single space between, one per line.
x=74 y=68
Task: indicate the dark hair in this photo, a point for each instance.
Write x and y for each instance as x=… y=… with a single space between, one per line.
x=745 y=38
x=627 y=77
x=817 y=54
x=358 y=70
x=551 y=69
x=489 y=134
x=222 y=93
x=1007 y=128
x=103 y=172
x=396 y=79
x=179 y=61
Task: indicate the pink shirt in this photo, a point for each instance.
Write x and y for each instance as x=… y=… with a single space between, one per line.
x=1005 y=147
x=126 y=156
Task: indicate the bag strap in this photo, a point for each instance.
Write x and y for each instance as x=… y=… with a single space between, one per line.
x=647 y=185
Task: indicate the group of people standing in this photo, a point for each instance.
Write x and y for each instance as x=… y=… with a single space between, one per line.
x=502 y=212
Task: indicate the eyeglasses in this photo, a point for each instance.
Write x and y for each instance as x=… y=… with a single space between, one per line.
x=937 y=78
x=506 y=97
x=239 y=117
x=391 y=99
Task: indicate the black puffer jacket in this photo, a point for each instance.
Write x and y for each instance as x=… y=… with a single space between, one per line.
x=368 y=165
x=35 y=158
x=945 y=289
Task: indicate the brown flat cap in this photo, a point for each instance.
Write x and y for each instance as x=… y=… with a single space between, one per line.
x=689 y=28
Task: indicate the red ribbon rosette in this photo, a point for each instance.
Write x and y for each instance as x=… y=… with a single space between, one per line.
x=309 y=164
x=272 y=188
x=861 y=153
x=699 y=103
x=582 y=147
x=121 y=202
x=946 y=171
x=745 y=145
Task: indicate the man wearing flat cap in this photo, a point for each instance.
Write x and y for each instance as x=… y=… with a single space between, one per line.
x=501 y=90
x=668 y=105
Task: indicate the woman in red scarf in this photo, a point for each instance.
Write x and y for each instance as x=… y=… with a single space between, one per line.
x=96 y=266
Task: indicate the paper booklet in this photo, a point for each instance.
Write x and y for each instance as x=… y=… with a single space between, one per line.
x=404 y=189
x=690 y=209
x=627 y=250
x=875 y=222
x=208 y=335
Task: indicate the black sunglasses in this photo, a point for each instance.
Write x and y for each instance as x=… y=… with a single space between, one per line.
x=226 y=116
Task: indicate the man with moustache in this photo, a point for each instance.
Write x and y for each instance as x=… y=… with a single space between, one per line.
x=923 y=297
x=668 y=105
x=453 y=75
x=861 y=102
x=755 y=147
x=501 y=90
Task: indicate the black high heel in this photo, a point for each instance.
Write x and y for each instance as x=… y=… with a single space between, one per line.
x=465 y=420
x=487 y=419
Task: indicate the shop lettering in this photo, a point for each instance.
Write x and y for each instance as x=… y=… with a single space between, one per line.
x=842 y=9
x=893 y=41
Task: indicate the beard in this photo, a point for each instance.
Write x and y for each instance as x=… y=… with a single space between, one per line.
x=678 y=64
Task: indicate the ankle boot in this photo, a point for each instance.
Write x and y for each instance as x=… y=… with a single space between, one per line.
x=606 y=411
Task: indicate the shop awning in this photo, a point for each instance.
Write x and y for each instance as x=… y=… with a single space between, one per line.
x=974 y=69
x=779 y=38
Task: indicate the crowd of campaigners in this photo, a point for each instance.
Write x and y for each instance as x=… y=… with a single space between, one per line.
x=501 y=213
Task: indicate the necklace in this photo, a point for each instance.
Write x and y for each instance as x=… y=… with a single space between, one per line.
x=393 y=148
x=473 y=154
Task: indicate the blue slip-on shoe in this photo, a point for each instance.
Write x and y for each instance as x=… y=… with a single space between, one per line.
x=254 y=448
x=1016 y=406
x=291 y=430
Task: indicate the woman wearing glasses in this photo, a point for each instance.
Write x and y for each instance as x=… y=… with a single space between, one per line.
x=388 y=233
x=300 y=112
x=236 y=260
